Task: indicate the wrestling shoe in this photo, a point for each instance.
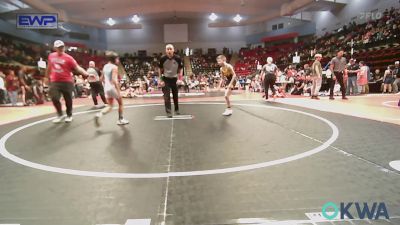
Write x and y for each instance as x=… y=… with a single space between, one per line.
x=68 y=119
x=122 y=122
x=227 y=112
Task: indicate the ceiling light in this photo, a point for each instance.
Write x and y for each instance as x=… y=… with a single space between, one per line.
x=237 y=18
x=213 y=17
x=110 y=22
x=135 y=19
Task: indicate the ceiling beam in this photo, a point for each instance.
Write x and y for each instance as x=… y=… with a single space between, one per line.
x=286 y=9
x=290 y=8
x=175 y=6
x=46 y=8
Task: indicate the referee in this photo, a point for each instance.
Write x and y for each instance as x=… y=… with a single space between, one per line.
x=171 y=68
x=338 y=66
x=96 y=87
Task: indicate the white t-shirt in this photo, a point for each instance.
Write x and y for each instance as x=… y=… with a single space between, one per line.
x=2 y=84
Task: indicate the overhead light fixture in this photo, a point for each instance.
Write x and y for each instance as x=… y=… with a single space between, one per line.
x=237 y=18
x=110 y=22
x=135 y=19
x=213 y=17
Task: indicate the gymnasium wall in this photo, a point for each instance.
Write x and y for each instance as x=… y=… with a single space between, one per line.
x=151 y=37
x=303 y=29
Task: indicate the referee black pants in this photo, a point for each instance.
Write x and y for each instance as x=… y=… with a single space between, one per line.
x=340 y=80
x=170 y=85
x=269 y=82
x=97 y=88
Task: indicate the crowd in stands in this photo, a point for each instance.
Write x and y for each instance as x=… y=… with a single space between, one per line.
x=21 y=52
x=24 y=83
x=20 y=78
x=376 y=42
x=204 y=64
x=361 y=37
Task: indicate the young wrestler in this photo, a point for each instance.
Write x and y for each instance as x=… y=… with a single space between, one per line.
x=228 y=73
x=112 y=89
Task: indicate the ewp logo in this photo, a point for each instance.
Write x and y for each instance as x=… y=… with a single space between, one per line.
x=37 y=21
x=376 y=211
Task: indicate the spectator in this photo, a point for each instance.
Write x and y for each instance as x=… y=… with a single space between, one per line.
x=388 y=79
x=378 y=80
x=362 y=78
x=12 y=85
x=299 y=85
x=396 y=74
x=377 y=76
x=25 y=81
x=3 y=91
x=307 y=85
x=316 y=77
x=38 y=92
x=352 y=71
x=79 y=86
x=307 y=70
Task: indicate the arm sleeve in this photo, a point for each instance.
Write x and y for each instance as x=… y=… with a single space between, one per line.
x=161 y=65
x=331 y=63
x=180 y=63
x=162 y=60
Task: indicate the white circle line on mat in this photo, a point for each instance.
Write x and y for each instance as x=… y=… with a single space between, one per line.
x=387 y=104
x=5 y=153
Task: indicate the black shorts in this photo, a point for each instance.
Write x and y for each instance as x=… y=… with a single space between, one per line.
x=228 y=81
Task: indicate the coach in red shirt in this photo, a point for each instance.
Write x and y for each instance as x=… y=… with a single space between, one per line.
x=59 y=68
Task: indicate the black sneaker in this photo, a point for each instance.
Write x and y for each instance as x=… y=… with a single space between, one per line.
x=169 y=115
x=177 y=113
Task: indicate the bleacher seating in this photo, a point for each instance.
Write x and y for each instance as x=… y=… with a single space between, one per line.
x=202 y=64
x=137 y=67
x=251 y=57
x=375 y=42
